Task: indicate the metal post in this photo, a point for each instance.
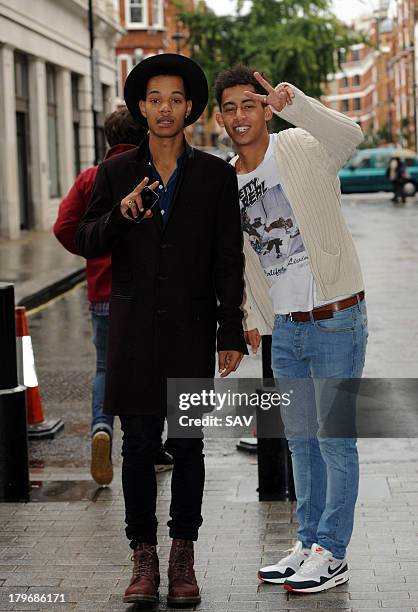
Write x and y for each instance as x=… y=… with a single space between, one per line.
x=275 y=475
x=178 y=37
x=14 y=465
x=93 y=84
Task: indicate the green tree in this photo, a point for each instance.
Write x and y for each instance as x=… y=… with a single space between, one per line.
x=288 y=40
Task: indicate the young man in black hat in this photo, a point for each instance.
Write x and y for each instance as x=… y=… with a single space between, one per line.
x=176 y=274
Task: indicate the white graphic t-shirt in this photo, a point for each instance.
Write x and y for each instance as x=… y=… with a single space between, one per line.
x=268 y=219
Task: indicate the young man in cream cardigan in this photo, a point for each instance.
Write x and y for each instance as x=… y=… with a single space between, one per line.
x=294 y=227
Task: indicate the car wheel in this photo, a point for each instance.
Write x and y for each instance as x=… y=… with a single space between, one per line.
x=409 y=188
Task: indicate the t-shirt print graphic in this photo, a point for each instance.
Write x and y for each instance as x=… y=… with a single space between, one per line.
x=269 y=222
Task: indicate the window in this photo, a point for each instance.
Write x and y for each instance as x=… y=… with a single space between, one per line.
x=124 y=66
x=345 y=106
x=76 y=123
x=381 y=161
x=136 y=13
x=21 y=76
x=357 y=104
x=356 y=80
x=23 y=138
x=342 y=56
x=355 y=55
x=51 y=97
x=361 y=162
x=158 y=13
x=345 y=82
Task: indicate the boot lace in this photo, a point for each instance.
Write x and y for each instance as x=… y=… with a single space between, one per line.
x=182 y=565
x=143 y=564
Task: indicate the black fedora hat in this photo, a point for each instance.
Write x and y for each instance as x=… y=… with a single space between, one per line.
x=171 y=64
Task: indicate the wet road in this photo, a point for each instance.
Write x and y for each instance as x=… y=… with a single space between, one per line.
x=387 y=242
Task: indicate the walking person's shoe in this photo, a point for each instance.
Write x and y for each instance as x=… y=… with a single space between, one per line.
x=320 y=572
x=145 y=580
x=182 y=585
x=101 y=467
x=286 y=567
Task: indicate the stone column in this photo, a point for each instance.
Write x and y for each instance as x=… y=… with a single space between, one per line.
x=86 y=123
x=9 y=198
x=39 y=142
x=65 y=130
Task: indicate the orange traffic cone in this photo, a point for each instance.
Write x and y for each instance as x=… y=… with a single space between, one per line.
x=38 y=426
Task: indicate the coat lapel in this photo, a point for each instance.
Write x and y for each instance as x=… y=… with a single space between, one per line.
x=182 y=180
x=139 y=169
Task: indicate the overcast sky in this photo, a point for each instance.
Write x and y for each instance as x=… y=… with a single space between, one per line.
x=345 y=9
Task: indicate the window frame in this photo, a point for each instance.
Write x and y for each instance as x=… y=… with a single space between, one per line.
x=136 y=25
x=158 y=25
x=54 y=187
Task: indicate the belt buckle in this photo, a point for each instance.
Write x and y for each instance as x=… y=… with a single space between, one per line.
x=291 y=316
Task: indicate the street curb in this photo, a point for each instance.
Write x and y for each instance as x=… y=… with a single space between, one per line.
x=54 y=290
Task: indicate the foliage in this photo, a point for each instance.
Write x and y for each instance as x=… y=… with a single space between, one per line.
x=289 y=40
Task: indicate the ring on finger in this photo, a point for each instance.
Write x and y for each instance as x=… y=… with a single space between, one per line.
x=131 y=202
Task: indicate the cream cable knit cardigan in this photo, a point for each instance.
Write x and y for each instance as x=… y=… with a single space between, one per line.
x=309 y=158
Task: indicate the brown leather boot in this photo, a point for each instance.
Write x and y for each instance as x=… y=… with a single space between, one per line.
x=182 y=585
x=145 y=576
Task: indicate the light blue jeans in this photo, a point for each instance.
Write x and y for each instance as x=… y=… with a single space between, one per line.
x=325 y=468
x=100 y=420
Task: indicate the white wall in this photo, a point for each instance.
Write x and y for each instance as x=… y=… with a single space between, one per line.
x=54 y=31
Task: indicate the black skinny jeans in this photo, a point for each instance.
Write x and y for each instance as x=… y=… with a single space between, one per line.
x=141 y=442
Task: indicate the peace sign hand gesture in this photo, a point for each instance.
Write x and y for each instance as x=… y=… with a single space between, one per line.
x=277 y=98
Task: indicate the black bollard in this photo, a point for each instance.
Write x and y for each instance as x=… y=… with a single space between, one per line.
x=14 y=466
x=275 y=474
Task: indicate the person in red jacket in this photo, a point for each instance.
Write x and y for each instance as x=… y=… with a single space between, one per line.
x=122 y=133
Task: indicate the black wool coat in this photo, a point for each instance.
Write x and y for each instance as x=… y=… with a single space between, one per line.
x=176 y=289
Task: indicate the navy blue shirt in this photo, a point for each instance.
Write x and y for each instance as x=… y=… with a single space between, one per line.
x=166 y=192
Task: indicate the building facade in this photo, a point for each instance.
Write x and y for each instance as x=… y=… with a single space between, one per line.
x=150 y=26
x=46 y=119
x=352 y=91
x=377 y=83
x=402 y=70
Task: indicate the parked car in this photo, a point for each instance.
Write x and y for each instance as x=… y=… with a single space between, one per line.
x=366 y=171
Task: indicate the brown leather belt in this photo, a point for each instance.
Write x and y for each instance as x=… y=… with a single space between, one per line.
x=327 y=311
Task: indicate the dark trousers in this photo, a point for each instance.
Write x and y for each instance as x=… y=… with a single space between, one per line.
x=141 y=442
x=398 y=190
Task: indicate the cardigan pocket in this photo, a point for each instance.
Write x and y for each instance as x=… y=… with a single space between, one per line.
x=329 y=266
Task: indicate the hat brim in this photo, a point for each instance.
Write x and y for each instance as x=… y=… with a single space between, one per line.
x=172 y=64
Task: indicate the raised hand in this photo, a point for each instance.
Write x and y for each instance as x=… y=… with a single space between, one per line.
x=133 y=202
x=277 y=98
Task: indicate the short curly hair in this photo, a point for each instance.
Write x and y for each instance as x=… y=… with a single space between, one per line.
x=237 y=75
x=121 y=128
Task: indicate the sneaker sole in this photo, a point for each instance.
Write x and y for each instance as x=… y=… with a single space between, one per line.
x=272 y=580
x=330 y=584
x=101 y=467
x=172 y=601
x=140 y=598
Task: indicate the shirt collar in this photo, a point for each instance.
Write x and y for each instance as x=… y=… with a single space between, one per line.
x=144 y=152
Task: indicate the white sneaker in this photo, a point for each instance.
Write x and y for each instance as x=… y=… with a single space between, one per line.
x=319 y=573
x=285 y=567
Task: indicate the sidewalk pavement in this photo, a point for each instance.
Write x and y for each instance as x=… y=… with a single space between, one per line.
x=73 y=543
x=39 y=267
x=78 y=548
